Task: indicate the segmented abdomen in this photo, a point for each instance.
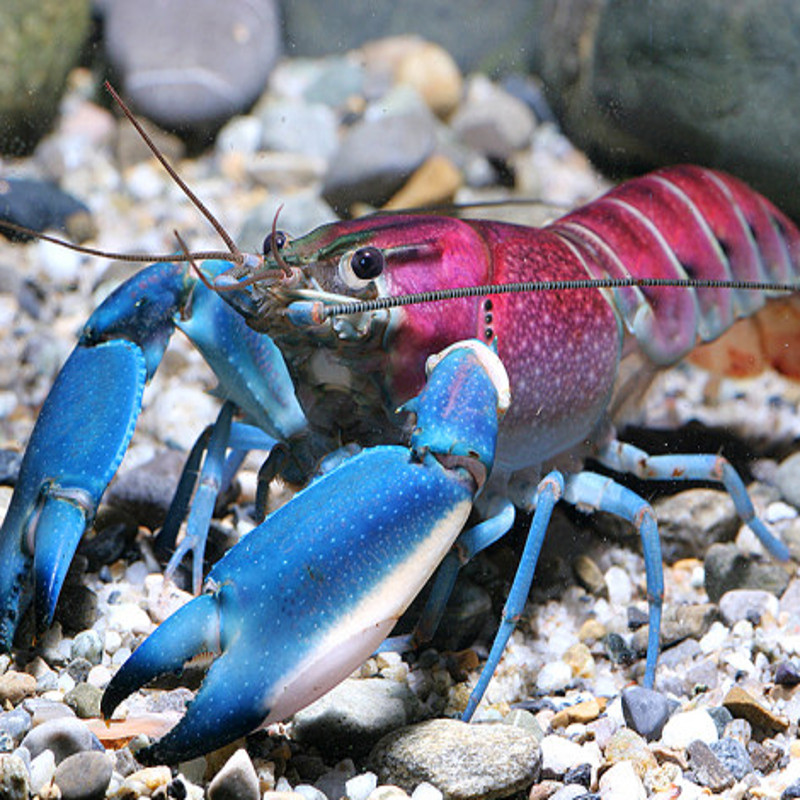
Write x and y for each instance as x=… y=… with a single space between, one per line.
x=683 y=222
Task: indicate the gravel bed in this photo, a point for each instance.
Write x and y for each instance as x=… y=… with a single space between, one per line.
x=724 y=719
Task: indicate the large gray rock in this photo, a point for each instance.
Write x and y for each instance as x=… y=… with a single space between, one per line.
x=190 y=65
x=39 y=44
x=708 y=81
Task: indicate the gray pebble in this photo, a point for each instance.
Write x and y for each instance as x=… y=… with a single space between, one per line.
x=461 y=760
x=237 y=780
x=64 y=736
x=84 y=776
x=351 y=717
x=748 y=604
x=88 y=645
x=376 y=157
x=78 y=669
x=727 y=568
x=310 y=129
x=645 y=710
x=15 y=723
x=310 y=792
x=787 y=479
x=708 y=769
x=569 y=792
x=733 y=755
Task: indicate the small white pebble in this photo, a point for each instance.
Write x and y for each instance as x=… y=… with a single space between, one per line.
x=113 y=641
x=99 y=676
x=360 y=786
x=621 y=781
x=553 y=677
x=779 y=511
x=426 y=791
x=620 y=588
x=713 y=640
x=686 y=726
x=740 y=662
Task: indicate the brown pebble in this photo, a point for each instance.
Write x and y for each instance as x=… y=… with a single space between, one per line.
x=590 y=576
x=592 y=631
x=668 y=755
x=16 y=686
x=436 y=181
x=627 y=745
x=580 y=660
x=543 y=790
x=584 y=712
x=742 y=704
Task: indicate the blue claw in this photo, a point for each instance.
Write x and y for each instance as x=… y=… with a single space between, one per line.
x=305 y=597
x=65 y=470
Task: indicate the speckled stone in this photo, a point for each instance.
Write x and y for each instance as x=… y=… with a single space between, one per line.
x=464 y=761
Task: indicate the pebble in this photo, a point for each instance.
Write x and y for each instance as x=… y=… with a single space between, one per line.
x=42 y=770
x=84 y=776
x=708 y=769
x=732 y=754
x=360 y=787
x=553 y=677
x=559 y=755
x=627 y=745
x=727 y=568
x=64 y=736
x=15 y=687
x=748 y=604
x=502 y=759
x=787 y=479
x=237 y=780
x=433 y=73
x=355 y=714
x=84 y=700
x=621 y=781
x=742 y=704
x=14 y=783
x=645 y=711
x=684 y=727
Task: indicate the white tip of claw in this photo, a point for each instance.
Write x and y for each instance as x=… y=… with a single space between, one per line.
x=489 y=360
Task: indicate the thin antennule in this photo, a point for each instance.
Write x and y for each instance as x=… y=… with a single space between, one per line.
x=95 y=251
x=238 y=257
x=200 y=274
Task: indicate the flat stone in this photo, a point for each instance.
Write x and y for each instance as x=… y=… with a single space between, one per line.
x=727 y=568
x=686 y=726
x=465 y=762
x=708 y=769
x=559 y=755
x=621 y=780
x=582 y=712
x=742 y=704
x=84 y=776
x=749 y=604
x=732 y=754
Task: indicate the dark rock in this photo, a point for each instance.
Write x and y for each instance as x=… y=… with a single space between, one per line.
x=35 y=65
x=190 y=65
x=645 y=710
x=732 y=754
x=376 y=157
x=787 y=674
x=145 y=492
x=685 y=82
x=582 y=774
x=84 y=776
x=77 y=608
x=10 y=461
x=727 y=568
x=463 y=761
x=791 y=792
x=707 y=768
x=721 y=717
x=42 y=206
x=108 y=544
x=765 y=758
x=617 y=649
x=472 y=32
x=78 y=669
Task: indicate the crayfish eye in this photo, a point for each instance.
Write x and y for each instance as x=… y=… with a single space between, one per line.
x=280 y=242
x=358 y=268
x=367 y=263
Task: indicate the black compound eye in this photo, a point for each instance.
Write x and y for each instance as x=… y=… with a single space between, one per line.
x=367 y=263
x=280 y=242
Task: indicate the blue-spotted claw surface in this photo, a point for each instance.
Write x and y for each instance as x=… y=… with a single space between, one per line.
x=89 y=416
x=309 y=594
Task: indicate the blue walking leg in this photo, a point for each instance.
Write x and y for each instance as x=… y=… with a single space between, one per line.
x=548 y=493
x=602 y=493
x=624 y=457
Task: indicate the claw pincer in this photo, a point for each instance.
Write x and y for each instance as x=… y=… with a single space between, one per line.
x=88 y=418
x=300 y=603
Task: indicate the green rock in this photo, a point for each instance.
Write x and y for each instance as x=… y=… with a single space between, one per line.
x=39 y=44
